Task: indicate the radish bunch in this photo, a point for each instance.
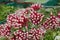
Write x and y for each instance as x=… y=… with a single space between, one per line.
x=17 y=21
x=20 y=35
x=35 y=17
x=35 y=34
x=50 y=22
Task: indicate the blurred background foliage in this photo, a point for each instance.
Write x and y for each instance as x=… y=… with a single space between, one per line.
x=4 y=11
x=51 y=34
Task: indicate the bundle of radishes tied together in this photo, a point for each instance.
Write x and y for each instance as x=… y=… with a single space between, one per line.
x=21 y=18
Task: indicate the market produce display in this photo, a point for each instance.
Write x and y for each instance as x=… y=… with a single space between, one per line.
x=31 y=23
